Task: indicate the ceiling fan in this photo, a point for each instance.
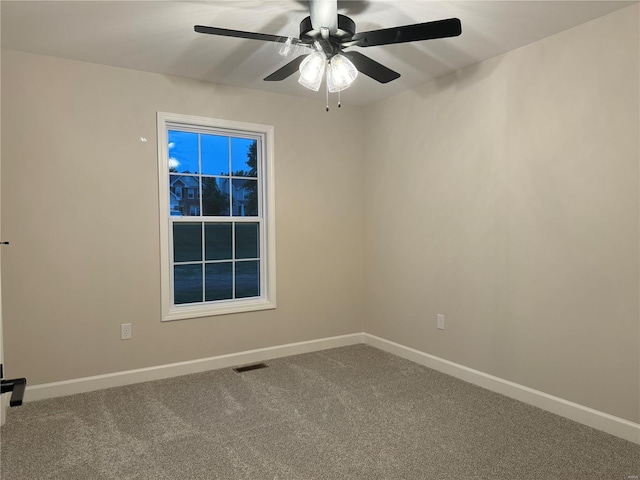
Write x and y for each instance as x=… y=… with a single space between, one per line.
x=327 y=34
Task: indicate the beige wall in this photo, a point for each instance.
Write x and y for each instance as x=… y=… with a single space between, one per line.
x=505 y=197
x=80 y=207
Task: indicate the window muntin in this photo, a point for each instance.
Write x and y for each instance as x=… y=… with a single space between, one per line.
x=218 y=237
x=234 y=247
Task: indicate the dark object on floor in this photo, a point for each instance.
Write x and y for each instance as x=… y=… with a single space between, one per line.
x=14 y=385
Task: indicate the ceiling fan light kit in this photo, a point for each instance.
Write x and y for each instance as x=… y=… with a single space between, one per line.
x=341 y=73
x=311 y=70
x=288 y=48
x=327 y=34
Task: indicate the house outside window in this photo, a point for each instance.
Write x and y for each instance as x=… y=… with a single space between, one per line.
x=218 y=240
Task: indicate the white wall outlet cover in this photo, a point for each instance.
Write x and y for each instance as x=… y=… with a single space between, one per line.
x=125 y=331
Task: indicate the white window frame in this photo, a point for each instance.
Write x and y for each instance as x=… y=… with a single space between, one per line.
x=266 y=218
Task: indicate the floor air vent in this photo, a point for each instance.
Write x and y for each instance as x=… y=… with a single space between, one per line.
x=248 y=368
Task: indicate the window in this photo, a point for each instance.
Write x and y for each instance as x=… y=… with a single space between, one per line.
x=218 y=240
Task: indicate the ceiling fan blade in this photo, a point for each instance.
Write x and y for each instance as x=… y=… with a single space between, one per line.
x=409 y=33
x=286 y=71
x=225 y=32
x=324 y=13
x=371 y=68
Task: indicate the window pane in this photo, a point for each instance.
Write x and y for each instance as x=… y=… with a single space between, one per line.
x=244 y=157
x=215 y=154
x=187 y=242
x=247 y=240
x=247 y=279
x=218 y=281
x=187 y=283
x=245 y=198
x=183 y=152
x=217 y=241
x=215 y=196
x=183 y=195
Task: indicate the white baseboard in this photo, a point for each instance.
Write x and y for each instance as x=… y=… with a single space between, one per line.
x=593 y=418
x=128 y=377
x=4 y=404
x=587 y=416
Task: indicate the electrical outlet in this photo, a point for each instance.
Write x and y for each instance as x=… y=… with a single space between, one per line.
x=125 y=331
x=440 y=321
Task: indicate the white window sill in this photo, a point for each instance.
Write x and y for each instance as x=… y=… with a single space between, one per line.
x=219 y=308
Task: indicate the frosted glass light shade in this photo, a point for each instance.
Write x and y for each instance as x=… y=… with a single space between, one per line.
x=311 y=71
x=341 y=73
x=288 y=48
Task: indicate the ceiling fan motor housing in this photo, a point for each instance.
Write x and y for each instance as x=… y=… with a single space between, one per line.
x=346 y=30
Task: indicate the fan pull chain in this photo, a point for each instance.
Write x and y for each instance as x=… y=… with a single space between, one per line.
x=327 y=97
x=339 y=102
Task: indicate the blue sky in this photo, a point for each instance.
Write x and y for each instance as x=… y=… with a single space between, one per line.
x=183 y=153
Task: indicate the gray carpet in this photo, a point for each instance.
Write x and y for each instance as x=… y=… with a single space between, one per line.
x=345 y=413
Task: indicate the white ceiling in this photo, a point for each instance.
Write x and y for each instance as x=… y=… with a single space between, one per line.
x=158 y=36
